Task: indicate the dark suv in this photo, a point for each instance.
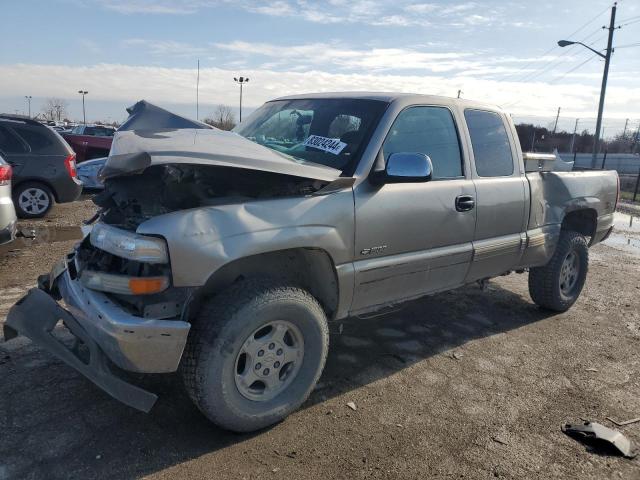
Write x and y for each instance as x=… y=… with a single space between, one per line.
x=44 y=165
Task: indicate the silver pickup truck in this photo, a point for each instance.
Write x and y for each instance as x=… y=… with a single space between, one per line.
x=223 y=255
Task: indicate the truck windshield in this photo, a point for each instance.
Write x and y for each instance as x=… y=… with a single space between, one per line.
x=331 y=132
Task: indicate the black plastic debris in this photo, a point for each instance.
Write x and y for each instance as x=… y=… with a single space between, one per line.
x=598 y=435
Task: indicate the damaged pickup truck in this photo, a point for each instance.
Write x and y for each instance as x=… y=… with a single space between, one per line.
x=223 y=255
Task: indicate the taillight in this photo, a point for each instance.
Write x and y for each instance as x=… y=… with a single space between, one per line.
x=70 y=165
x=5 y=174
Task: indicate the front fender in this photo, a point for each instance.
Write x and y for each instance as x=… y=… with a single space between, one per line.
x=202 y=240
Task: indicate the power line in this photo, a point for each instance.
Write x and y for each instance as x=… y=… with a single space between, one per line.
x=522 y=76
x=517 y=72
x=557 y=62
x=572 y=70
x=628 y=45
x=630 y=20
x=590 y=21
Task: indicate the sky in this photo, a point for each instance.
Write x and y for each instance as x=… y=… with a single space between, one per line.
x=501 y=52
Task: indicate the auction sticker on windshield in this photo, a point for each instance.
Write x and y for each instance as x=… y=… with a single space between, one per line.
x=331 y=145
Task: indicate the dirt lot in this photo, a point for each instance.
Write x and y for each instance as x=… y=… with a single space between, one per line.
x=467 y=384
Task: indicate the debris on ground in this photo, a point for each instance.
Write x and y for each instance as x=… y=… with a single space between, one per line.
x=27 y=233
x=457 y=355
x=591 y=369
x=597 y=434
x=352 y=406
x=499 y=440
x=625 y=422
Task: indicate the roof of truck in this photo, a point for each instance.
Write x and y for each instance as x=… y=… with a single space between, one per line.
x=391 y=97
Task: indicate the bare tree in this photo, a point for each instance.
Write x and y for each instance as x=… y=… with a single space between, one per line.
x=223 y=118
x=55 y=108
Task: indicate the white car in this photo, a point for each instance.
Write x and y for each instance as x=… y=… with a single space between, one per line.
x=8 y=219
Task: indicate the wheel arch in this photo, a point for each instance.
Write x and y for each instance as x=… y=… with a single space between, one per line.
x=582 y=220
x=46 y=183
x=310 y=268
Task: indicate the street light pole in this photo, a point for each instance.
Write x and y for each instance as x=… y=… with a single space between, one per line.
x=241 y=81
x=28 y=97
x=84 y=115
x=605 y=75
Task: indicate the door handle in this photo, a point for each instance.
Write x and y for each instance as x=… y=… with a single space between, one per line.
x=464 y=203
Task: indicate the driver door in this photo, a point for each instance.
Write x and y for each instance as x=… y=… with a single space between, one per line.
x=413 y=238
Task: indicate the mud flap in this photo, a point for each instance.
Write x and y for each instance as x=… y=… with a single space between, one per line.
x=36 y=314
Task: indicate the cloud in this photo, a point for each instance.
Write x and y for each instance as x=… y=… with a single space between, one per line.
x=158 y=7
x=164 y=48
x=392 y=13
x=334 y=56
x=167 y=86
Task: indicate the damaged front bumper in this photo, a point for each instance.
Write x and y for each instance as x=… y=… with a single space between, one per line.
x=109 y=333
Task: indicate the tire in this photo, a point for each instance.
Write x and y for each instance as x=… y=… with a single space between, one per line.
x=556 y=286
x=32 y=199
x=213 y=369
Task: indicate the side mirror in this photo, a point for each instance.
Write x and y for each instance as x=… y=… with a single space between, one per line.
x=405 y=168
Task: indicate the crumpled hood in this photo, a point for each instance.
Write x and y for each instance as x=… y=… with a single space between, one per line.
x=134 y=151
x=147 y=116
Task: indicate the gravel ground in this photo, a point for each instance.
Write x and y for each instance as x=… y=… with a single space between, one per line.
x=465 y=384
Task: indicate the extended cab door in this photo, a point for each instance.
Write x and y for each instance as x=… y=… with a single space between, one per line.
x=502 y=195
x=415 y=238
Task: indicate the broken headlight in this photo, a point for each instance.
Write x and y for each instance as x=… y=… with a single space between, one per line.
x=129 y=245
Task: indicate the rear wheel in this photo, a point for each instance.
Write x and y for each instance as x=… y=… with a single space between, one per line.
x=254 y=354
x=557 y=285
x=32 y=199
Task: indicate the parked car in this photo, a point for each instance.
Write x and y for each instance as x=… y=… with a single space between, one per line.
x=88 y=172
x=224 y=254
x=44 y=166
x=90 y=141
x=8 y=221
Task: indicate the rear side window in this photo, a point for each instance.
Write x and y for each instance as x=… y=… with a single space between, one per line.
x=10 y=143
x=99 y=131
x=490 y=142
x=39 y=139
x=428 y=130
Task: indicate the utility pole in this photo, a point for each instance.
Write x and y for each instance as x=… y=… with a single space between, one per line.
x=555 y=126
x=624 y=132
x=28 y=97
x=603 y=88
x=84 y=114
x=198 y=92
x=241 y=81
x=573 y=138
x=533 y=139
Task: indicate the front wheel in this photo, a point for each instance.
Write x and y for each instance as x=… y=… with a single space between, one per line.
x=255 y=351
x=557 y=285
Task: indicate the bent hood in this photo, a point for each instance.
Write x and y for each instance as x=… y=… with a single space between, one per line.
x=134 y=150
x=147 y=116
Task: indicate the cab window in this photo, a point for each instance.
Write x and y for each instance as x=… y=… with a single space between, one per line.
x=490 y=143
x=428 y=130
